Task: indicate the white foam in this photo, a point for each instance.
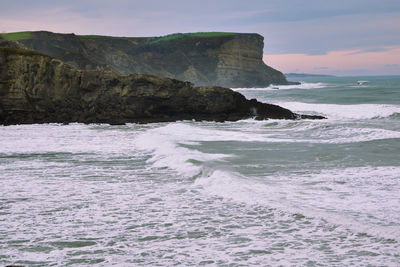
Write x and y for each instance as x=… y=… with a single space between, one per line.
x=350 y=135
x=327 y=134
x=232 y=186
x=165 y=145
x=72 y=138
x=302 y=85
x=333 y=111
x=363 y=199
x=166 y=152
x=315 y=131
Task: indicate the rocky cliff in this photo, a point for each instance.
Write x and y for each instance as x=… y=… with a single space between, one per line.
x=220 y=59
x=36 y=88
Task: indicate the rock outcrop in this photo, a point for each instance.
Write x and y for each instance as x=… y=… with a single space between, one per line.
x=36 y=88
x=219 y=59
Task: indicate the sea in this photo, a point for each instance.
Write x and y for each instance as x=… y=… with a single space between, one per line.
x=187 y=193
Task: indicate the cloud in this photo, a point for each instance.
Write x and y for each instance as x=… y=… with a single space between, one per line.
x=322 y=35
x=289 y=26
x=341 y=62
x=370 y=49
x=392 y=65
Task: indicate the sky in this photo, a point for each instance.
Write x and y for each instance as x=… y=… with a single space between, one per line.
x=341 y=37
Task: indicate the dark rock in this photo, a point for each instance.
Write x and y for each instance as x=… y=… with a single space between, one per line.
x=39 y=89
x=311 y=117
x=221 y=59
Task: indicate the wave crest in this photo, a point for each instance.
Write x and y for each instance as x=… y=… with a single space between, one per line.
x=334 y=111
x=302 y=85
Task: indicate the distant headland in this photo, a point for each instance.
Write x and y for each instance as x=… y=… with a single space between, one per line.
x=204 y=58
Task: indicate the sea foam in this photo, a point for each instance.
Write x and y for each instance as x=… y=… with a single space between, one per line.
x=334 y=111
x=174 y=145
x=302 y=85
x=166 y=145
x=321 y=195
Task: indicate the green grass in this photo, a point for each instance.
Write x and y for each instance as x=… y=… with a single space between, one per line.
x=94 y=36
x=210 y=34
x=109 y=37
x=177 y=36
x=16 y=36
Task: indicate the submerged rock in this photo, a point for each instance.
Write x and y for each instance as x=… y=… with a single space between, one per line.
x=35 y=88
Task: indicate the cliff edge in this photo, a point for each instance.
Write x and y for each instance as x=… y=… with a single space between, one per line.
x=219 y=59
x=36 y=88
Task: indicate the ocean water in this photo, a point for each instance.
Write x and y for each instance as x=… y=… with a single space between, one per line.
x=270 y=193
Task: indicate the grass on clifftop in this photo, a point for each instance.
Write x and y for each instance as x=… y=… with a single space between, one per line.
x=209 y=34
x=177 y=36
x=109 y=37
x=174 y=36
x=16 y=36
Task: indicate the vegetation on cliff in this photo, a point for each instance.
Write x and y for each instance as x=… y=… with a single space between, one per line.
x=16 y=36
x=178 y=36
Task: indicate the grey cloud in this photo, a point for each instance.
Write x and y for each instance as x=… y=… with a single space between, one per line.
x=295 y=26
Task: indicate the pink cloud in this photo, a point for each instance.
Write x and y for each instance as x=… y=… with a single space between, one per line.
x=339 y=62
x=63 y=21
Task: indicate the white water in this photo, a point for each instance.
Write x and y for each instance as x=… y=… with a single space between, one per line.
x=302 y=85
x=275 y=192
x=338 y=112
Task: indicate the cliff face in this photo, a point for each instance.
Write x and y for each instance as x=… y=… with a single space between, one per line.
x=222 y=59
x=35 y=88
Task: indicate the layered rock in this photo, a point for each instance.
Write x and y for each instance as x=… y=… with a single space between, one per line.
x=35 y=88
x=220 y=59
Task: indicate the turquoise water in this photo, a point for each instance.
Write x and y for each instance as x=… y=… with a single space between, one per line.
x=203 y=193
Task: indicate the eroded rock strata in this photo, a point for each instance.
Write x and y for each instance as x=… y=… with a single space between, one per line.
x=35 y=88
x=218 y=59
